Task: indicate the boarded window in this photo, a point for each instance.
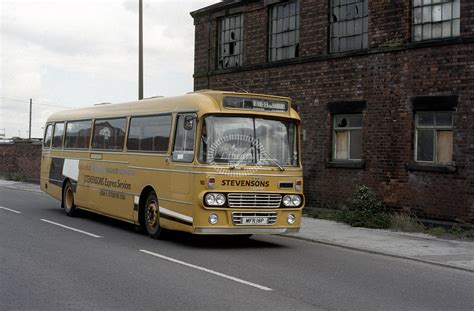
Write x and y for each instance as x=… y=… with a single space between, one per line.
x=435 y=19
x=47 y=136
x=348 y=25
x=109 y=134
x=58 y=135
x=434 y=136
x=230 y=41
x=151 y=133
x=347 y=137
x=78 y=134
x=284 y=30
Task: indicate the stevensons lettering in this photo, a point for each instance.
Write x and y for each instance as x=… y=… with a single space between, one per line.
x=245 y=183
x=104 y=181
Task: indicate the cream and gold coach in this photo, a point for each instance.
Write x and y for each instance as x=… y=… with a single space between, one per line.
x=207 y=162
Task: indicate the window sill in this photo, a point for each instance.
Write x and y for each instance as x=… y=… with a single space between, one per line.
x=346 y=164
x=429 y=167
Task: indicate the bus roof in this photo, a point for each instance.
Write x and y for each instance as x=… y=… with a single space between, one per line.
x=202 y=102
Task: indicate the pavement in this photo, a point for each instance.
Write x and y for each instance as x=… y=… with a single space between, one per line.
x=419 y=247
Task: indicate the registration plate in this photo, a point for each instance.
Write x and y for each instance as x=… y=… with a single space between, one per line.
x=254 y=221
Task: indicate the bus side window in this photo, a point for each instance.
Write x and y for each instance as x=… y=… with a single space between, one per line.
x=58 y=135
x=47 y=136
x=184 y=138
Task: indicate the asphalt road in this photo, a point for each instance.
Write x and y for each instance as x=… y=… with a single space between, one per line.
x=107 y=265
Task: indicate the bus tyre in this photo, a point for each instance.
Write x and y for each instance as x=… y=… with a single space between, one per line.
x=68 y=200
x=152 y=216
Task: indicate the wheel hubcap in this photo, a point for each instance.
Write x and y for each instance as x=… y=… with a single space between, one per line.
x=68 y=198
x=152 y=214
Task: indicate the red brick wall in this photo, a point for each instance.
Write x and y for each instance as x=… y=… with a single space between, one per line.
x=21 y=159
x=386 y=76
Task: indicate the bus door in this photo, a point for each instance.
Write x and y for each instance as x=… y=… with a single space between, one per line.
x=183 y=155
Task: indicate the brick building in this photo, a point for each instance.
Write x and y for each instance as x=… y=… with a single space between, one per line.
x=20 y=159
x=385 y=90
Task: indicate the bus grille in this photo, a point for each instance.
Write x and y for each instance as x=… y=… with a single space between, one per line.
x=258 y=200
x=238 y=216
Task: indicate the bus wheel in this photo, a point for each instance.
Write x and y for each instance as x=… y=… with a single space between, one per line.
x=152 y=216
x=68 y=200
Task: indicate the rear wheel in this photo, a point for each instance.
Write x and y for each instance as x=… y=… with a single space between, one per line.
x=68 y=200
x=151 y=216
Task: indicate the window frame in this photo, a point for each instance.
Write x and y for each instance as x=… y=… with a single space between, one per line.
x=271 y=33
x=348 y=129
x=90 y=138
x=167 y=152
x=51 y=137
x=364 y=24
x=419 y=5
x=62 y=136
x=435 y=129
x=220 y=40
x=124 y=139
x=175 y=133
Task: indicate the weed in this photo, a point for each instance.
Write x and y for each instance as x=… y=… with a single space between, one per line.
x=364 y=210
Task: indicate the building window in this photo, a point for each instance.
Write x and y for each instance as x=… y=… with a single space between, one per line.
x=347 y=137
x=434 y=137
x=349 y=25
x=230 y=41
x=434 y=19
x=284 y=30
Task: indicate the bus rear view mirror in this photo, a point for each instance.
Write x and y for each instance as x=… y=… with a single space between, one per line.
x=189 y=122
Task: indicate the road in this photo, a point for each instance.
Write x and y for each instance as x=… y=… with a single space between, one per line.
x=49 y=261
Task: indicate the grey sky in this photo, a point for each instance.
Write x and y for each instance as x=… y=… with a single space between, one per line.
x=75 y=53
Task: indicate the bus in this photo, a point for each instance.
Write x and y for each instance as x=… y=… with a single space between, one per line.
x=208 y=162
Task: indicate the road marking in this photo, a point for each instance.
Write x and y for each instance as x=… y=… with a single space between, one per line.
x=10 y=210
x=71 y=228
x=206 y=270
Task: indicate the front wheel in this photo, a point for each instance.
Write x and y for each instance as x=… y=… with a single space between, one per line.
x=151 y=216
x=68 y=200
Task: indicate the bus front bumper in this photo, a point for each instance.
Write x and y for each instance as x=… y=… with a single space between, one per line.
x=245 y=230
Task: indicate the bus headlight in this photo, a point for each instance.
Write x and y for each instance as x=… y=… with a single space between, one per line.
x=214 y=199
x=291 y=200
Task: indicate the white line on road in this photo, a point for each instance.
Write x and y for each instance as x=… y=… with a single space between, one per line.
x=10 y=210
x=206 y=270
x=70 y=228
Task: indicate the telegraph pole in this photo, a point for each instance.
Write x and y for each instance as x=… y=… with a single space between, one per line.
x=29 y=127
x=140 y=49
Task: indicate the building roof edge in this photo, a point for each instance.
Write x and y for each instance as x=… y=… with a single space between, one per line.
x=215 y=7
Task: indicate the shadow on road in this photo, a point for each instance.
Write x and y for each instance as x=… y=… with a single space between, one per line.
x=183 y=238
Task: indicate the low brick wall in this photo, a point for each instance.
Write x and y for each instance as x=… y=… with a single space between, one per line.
x=21 y=159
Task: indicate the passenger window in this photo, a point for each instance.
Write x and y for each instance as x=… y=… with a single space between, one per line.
x=58 y=135
x=151 y=133
x=47 y=136
x=78 y=134
x=184 y=138
x=109 y=134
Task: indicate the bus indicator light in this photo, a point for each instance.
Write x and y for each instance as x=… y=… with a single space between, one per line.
x=211 y=182
x=299 y=185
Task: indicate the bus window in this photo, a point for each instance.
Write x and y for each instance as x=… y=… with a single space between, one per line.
x=47 y=136
x=78 y=134
x=58 y=135
x=184 y=138
x=149 y=133
x=109 y=134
